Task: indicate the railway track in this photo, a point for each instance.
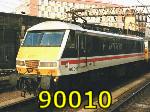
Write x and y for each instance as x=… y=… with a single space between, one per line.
x=122 y=95
x=125 y=100
x=117 y=99
x=11 y=99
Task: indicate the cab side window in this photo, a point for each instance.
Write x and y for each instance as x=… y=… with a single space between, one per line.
x=70 y=50
x=82 y=44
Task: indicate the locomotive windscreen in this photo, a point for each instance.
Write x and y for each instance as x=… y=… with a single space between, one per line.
x=44 y=38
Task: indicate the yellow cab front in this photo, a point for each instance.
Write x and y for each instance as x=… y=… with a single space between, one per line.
x=39 y=53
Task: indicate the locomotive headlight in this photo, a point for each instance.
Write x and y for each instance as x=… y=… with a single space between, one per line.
x=20 y=63
x=48 y=64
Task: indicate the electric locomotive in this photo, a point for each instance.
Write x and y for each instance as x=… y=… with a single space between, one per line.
x=55 y=50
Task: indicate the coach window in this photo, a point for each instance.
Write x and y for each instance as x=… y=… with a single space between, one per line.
x=117 y=46
x=106 y=47
x=71 y=46
x=112 y=41
x=96 y=46
x=103 y=43
x=82 y=44
x=127 y=46
x=143 y=46
x=129 y=50
x=124 y=46
x=140 y=46
x=135 y=46
x=89 y=45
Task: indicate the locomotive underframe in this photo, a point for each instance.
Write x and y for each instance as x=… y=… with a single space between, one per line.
x=35 y=83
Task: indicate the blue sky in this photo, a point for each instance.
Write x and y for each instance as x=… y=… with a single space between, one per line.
x=9 y=5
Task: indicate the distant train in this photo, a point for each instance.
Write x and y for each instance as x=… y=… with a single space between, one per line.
x=12 y=29
x=54 y=51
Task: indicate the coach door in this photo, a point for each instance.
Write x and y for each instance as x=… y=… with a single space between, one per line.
x=82 y=57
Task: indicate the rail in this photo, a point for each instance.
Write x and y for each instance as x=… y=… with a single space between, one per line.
x=125 y=100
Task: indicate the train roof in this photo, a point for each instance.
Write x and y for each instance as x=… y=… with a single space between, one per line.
x=55 y=25
x=58 y=25
x=112 y=35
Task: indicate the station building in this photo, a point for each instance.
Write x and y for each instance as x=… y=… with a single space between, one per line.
x=56 y=9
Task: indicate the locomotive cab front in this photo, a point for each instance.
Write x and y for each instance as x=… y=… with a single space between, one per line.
x=38 y=58
x=39 y=53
